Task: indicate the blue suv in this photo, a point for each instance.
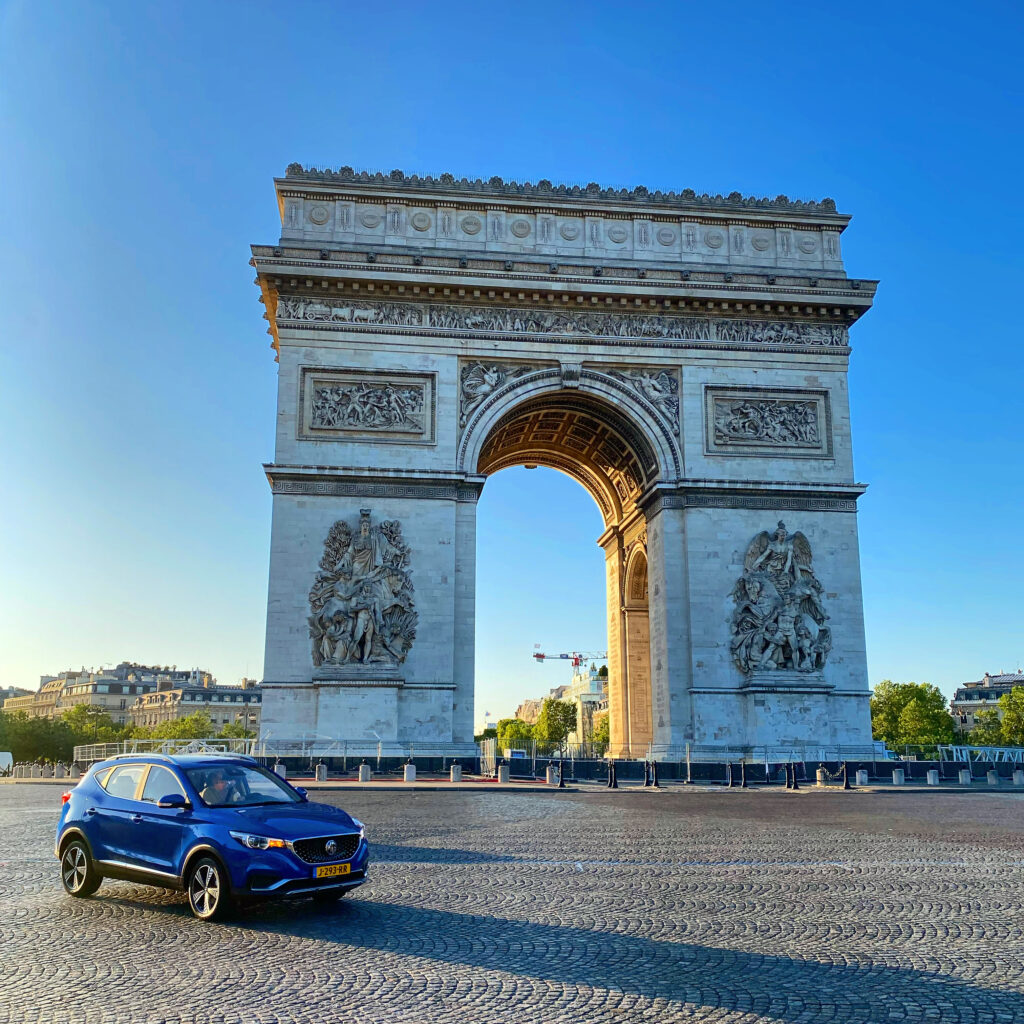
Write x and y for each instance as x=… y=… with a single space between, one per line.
x=223 y=829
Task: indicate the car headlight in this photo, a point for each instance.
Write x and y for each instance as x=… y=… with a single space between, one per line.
x=359 y=825
x=258 y=842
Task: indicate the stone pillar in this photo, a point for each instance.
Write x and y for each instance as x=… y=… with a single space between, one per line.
x=993 y=778
x=321 y=772
x=365 y=774
x=464 y=656
x=281 y=770
x=965 y=776
x=503 y=773
x=455 y=773
x=409 y=772
x=862 y=777
x=1018 y=778
x=669 y=630
x=933 y=777
x=618 y=694
x=898 y=777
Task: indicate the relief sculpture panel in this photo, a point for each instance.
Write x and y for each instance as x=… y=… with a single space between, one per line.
x=382 y=405
x=773 y=422
x=361 y=602
x=779 y=620
x=444 y=317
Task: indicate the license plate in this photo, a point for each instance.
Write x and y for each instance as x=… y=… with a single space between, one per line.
x=330 y=870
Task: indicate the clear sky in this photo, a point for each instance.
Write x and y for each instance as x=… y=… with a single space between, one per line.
x=137 y=146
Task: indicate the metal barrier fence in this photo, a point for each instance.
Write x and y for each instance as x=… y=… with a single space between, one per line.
x=90 y=752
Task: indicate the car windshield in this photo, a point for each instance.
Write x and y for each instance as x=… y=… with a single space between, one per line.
x=237 y=785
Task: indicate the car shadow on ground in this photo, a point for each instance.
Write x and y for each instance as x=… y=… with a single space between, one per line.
x=781 y=987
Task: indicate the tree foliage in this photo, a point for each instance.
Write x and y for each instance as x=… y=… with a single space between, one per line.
x=556 y=720
x=601 y=728
x=987 y=731
x=910 y=713
x=514 y=733
x=1012 y=706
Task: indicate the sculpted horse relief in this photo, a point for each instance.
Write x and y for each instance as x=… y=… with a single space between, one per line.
x=362 y=598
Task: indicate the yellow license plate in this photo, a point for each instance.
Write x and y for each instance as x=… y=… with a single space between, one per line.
x=330 y=870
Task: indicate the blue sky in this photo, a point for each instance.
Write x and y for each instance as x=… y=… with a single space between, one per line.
x=137 y=146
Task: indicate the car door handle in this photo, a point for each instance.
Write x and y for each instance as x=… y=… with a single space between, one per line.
x=137 y=818
x=90 y=810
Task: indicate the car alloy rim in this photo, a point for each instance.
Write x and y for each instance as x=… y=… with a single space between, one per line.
x=205 y=889
x=74 y=868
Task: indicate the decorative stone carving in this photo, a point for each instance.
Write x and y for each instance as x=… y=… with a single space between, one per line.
x=768 y=421
x=566 y=323
x=479 y=381
x=471 y=225
x=367 y=407
x=544 y=189
x=319 y=215
x=520 y=228
x=659 y=386
x=774 y=422
x=420 y=221
x=378 y=405
x=714 y=239
x=779 y=620
x=362 y=598
x=618 y=234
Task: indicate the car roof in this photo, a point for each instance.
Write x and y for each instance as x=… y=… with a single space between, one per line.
x=182 y=760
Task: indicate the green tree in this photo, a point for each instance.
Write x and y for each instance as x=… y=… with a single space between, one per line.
x=1012 y=705
x=602 y=672
x=601 y=728
x=909 y=713
x=987 y=731
x=514 y=733
x=196 y=726
x=92 y=725
x=235 y=731
x=490 y=733
x=34 y=739
x=556 y=720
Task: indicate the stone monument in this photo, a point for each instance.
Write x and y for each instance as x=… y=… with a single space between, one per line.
x=682 y=356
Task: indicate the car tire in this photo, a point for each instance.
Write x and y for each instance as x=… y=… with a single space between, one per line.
x=78 y=874
x=209 y=897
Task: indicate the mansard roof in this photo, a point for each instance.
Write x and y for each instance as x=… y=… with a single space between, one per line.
x=544 y=189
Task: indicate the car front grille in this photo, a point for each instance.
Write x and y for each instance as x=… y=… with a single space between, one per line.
x=314 y=851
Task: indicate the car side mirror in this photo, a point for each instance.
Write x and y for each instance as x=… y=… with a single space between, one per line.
x=301 y=792
x=173 y=800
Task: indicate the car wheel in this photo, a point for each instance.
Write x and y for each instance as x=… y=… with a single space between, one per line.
x=208 y=894
x=78 y=874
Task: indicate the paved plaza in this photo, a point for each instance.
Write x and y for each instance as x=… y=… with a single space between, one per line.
x=687 y=905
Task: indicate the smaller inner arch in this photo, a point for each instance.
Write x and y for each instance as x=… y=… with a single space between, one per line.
x=584 y=437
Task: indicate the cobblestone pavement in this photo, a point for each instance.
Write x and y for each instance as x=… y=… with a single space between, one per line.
x=682 y=906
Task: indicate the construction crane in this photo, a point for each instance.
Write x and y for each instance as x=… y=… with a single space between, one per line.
x=576 y=657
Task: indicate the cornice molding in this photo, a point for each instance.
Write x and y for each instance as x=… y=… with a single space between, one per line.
x=545 y=190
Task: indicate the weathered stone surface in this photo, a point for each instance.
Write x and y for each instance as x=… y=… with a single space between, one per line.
x=684 y=358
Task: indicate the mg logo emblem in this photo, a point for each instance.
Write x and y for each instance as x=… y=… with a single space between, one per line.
x=331 y=847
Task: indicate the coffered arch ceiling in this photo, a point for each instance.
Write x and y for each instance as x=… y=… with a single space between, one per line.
x=582 y=436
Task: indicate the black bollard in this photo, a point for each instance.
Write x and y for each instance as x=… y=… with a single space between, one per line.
x=743 y=775
x=846 y=777
x=614 y=784
x=561 y=774
x=789 y=780
x=796 y=785
x=647 y=774
x=654 y=775
x=728 y=774
x=767 y=774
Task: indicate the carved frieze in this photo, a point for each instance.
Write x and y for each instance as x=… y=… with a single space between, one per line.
x=659 y=386
x=779 y=620
x=361 y=602
x=374 y=404
x=786 y=422
x=446 y=317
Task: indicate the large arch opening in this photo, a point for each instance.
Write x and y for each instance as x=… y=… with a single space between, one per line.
x=596 y=443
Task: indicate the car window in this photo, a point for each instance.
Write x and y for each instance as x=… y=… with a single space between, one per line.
x=103 y=776
x=124 y=779
x=235 y=784
x=160 y=783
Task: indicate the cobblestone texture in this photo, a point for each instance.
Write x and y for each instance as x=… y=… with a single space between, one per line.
x=686 y=906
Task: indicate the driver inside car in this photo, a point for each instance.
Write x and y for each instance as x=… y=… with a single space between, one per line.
x=219 y=790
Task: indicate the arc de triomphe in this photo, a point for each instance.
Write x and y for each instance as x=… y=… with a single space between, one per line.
x=683 y=357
